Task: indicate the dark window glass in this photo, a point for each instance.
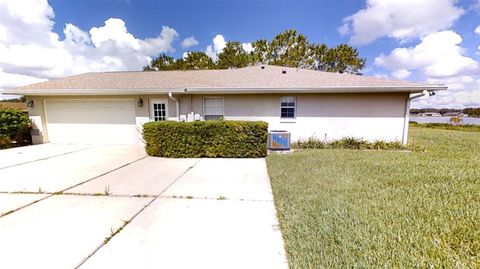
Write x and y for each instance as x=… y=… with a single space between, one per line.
x=287 y=107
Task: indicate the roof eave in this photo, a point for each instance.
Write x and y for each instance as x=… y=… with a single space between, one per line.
x=225 y=90
x=359 y=89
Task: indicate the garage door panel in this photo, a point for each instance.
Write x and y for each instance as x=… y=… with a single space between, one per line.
x=102 y=121
x=91 y=111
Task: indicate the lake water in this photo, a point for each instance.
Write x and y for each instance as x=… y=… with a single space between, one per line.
x=466 y=120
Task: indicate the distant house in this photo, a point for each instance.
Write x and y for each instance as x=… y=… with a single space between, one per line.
x=111 y=107
x=453 y=114
x=17 y=105
x=429 y=114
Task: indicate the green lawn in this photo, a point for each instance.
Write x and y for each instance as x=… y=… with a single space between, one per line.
x=351 y=208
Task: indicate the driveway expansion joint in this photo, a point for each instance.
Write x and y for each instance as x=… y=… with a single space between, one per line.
x=186 y=197
x=46 y=158
x=126 y=222
x=62 y=191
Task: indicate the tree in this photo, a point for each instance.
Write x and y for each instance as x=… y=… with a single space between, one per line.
x=161 y=63
x=342 y=59
x=233 y=56
x=472 y=112
x=260 y=53
x=288 y=48
x=195 y=60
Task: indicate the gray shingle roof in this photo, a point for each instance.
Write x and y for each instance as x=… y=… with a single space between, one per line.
x=249 y=80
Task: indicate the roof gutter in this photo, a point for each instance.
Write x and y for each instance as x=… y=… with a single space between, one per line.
x=406 y=117
x=177 y=105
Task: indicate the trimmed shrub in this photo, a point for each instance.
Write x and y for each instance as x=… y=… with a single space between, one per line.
x=346 y=143
x=222 y=139
x=14 y=125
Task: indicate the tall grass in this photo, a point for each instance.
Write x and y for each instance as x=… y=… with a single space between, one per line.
x=346 y=143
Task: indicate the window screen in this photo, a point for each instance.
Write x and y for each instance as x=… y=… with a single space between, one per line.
x=287 y=107
x=213 y=108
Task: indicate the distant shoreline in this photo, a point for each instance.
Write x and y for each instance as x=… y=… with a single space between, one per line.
x=444 y=119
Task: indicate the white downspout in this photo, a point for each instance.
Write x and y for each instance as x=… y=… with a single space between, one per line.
x=407 y=115
x=177 y=105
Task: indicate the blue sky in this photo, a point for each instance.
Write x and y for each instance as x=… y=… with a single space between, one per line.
x=429 y=41
x=238 y=20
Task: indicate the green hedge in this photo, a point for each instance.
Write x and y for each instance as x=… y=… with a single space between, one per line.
x=223 y=139
x=14 y=126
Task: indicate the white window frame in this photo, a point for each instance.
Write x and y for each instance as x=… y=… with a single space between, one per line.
x=158 y=101
x=213 y=97
x=294 y=107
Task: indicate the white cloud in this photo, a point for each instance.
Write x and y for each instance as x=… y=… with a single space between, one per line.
x=456 y=83
x=380 y=75
x=189 y=42
x=477 y=30
x=438 y=59
x=30 y=51
x=401 y=73
x=247 y=47
x=447 y=99
x=25 y=21
x=400 y=19
x=115 y=31
x=476 y=5
x=219 y=44
x=12 y=80
x=438 y=55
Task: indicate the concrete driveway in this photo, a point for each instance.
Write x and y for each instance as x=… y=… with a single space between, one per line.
x=71 y=206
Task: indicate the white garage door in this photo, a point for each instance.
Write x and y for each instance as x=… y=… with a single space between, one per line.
x=99 y=121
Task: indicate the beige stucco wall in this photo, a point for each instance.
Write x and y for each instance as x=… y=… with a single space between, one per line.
x=326 y=116
x=331 y=116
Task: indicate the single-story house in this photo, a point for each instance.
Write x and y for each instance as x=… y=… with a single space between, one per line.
x=111 y=107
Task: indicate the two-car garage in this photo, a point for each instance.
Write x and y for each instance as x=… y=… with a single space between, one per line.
x=91 y=121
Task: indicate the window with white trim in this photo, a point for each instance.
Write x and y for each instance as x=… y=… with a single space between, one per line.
x=213 y=108
x=159 y=112
x=288 y=105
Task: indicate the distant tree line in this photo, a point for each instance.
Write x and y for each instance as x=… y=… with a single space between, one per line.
x=288 y=48
x=20 y=99
x=471 y=111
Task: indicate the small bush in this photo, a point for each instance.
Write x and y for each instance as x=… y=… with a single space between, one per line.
x=310 y=143
x=15 y=125
x=223 y=139
x=5 y=142
x=346 y=143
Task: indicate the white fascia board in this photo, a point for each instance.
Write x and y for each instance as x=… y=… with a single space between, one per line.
x=67 y=92
x=315 y=90
x=224 y=90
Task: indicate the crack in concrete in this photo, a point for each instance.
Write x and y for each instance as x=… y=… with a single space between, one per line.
x=187 y=197
x=45 y=158
x=62 y=191
x=133 y=217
